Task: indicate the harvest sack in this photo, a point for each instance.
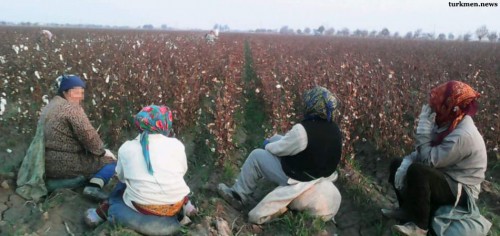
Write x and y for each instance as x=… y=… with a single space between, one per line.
x=318 y=197
x=451 y=221
x=30 y=183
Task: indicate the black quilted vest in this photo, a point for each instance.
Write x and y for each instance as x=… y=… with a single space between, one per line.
x=322 y=154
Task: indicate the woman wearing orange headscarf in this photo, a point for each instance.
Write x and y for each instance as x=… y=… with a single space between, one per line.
x=449 y=162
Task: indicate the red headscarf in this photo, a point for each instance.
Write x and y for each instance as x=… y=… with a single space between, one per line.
x=452 y=101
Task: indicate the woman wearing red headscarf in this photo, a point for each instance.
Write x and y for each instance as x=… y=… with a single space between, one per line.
x=449 y=162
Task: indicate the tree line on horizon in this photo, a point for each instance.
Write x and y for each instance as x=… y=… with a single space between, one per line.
x=481 y=32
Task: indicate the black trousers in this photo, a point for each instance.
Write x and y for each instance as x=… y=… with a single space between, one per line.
x=425 y=190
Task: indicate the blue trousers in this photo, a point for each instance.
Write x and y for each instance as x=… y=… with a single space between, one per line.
x=106 y=172
x=120 y=213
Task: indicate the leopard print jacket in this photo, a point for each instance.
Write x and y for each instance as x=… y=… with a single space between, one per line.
x=72 y=145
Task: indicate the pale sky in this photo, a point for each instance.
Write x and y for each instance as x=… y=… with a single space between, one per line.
x=397 y=15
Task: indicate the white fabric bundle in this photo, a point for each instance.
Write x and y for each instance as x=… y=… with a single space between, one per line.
x=318 y=197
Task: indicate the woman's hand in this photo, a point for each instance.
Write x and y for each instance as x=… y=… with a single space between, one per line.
x=401 y=173
x=109 y=154
x=426 y=120
x=266 y=142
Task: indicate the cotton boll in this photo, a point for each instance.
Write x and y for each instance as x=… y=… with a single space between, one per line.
x=3 y=102
x=16 y=48
x=45 y=99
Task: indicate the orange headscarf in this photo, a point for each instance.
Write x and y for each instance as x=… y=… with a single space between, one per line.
x=452 y=101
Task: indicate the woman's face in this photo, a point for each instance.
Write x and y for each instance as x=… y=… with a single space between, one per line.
x=75 y=95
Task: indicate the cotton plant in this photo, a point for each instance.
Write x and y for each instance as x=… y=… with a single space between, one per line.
x=37 y=74
x=45 y=99
x=15 y=48
x=3 y=103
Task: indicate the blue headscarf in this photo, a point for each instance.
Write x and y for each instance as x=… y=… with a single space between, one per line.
x=66 y=82
x=320 y=103
x=152 y=119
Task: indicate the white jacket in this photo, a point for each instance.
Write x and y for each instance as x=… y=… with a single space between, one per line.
x=461 y=156
x=166 y=185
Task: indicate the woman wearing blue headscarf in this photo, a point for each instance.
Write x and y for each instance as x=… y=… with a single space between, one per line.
x=310 y=150
x=72 y=145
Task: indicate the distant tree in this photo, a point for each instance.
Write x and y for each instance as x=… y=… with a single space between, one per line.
x=417 y=33
x=307 y=30
x=427 y=36
x=409 y=35
x=148 y=26
x=284 y=30
x=481 y=32
x=441 y=37
x=357 y=33
x=344 y=32
x=492 y=36
x=396 y=35
x=221 y=28
x=360 y=33
x=451 y=36
x=467 y=37
x=385 y=32
x=321 y=29
x=164 y=27
x=299 y=31
x=373 y=33
x=216 y=26
x=330 y=31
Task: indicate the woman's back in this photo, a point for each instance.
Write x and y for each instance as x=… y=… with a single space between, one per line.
x=166 y=185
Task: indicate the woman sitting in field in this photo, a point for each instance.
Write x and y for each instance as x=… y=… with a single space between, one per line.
x=72 y=145
x=309 y=151
x=152 y=194
x=448 y=165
